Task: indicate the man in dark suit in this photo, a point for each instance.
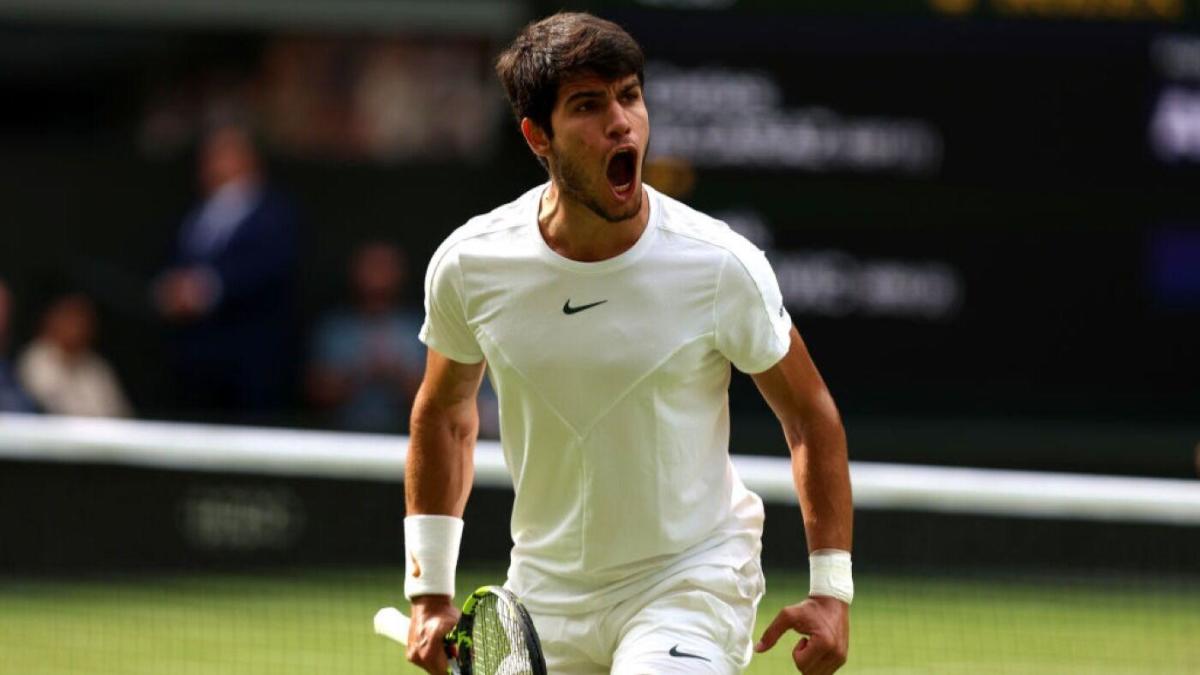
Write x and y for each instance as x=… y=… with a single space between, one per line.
x=229 y=291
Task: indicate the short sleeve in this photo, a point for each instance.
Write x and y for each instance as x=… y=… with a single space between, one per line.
x=445 y=329
x=753 y=329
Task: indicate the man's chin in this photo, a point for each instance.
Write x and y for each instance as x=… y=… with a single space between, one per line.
x=624 y=209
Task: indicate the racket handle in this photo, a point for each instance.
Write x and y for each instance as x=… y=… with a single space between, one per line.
x=392 y=624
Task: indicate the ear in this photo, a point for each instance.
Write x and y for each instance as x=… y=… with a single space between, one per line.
x=535 y=137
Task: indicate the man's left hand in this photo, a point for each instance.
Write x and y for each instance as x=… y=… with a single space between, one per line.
x=824 y=624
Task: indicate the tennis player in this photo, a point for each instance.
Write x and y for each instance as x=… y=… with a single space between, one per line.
x=608 y=316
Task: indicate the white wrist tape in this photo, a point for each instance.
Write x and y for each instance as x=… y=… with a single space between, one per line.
x=829 y=574
x=431 y=554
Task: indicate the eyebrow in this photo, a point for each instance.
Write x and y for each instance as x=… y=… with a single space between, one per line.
x=598 y=93
x=585 y=93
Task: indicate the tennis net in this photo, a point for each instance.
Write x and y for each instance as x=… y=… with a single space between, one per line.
x=139 y=547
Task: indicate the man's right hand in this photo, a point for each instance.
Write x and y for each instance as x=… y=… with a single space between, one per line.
x=433 y=617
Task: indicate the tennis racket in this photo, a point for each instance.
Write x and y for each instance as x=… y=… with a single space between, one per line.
x=494 y=635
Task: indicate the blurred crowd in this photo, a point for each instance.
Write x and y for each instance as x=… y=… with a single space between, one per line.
x=335 y=98
x=225 y=300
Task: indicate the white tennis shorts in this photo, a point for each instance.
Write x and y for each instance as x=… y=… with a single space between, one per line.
x=700 y=621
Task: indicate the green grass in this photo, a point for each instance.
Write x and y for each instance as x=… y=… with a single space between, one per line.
x=318 y=622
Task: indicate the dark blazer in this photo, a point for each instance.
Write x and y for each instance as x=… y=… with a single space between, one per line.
x=241 y=356
x=12 y=397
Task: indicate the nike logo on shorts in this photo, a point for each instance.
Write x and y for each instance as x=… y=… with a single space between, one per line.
x=684 y=655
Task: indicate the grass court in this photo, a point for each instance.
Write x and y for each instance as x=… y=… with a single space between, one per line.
x=318 y=622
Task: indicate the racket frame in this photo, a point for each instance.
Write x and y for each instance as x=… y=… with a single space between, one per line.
x=458 y=643
x=460 y=638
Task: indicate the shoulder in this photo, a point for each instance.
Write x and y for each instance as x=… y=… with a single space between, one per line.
x=482 y=230
x=35 y=352
x=705 y=231
x=273 y=219
x=36 y=363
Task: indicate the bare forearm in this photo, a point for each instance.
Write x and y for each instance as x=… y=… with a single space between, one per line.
x=821 y=474
x=440 y=465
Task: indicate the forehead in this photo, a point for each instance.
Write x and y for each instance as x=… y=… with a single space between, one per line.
x=578 y=82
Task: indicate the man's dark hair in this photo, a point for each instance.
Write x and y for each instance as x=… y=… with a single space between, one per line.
x=561 y=46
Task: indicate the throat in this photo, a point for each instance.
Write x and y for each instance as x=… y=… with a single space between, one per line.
x=574 y=231
x=581 y=245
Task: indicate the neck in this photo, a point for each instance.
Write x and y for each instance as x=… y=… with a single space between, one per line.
x=575 y=232
x=66 y=352
x=244 y=183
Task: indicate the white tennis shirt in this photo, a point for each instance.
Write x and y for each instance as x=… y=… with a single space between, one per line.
x=612 y=379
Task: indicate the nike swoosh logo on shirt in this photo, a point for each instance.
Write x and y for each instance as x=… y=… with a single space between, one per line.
x=568 y=309
x=684 y=655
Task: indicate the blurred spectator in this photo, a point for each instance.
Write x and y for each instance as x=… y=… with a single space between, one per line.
x=12 y=397
x=60 y=369
x=229 y=289
x=367 y=360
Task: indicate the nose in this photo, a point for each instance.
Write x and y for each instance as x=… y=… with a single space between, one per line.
x=618 y=120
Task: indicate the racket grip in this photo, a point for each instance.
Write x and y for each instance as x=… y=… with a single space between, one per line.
x=392 y=624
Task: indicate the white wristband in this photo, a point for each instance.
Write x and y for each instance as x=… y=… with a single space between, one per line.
x=829 y=574
x=431 y=554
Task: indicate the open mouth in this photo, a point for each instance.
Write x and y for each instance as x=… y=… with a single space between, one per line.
x=622 y=170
